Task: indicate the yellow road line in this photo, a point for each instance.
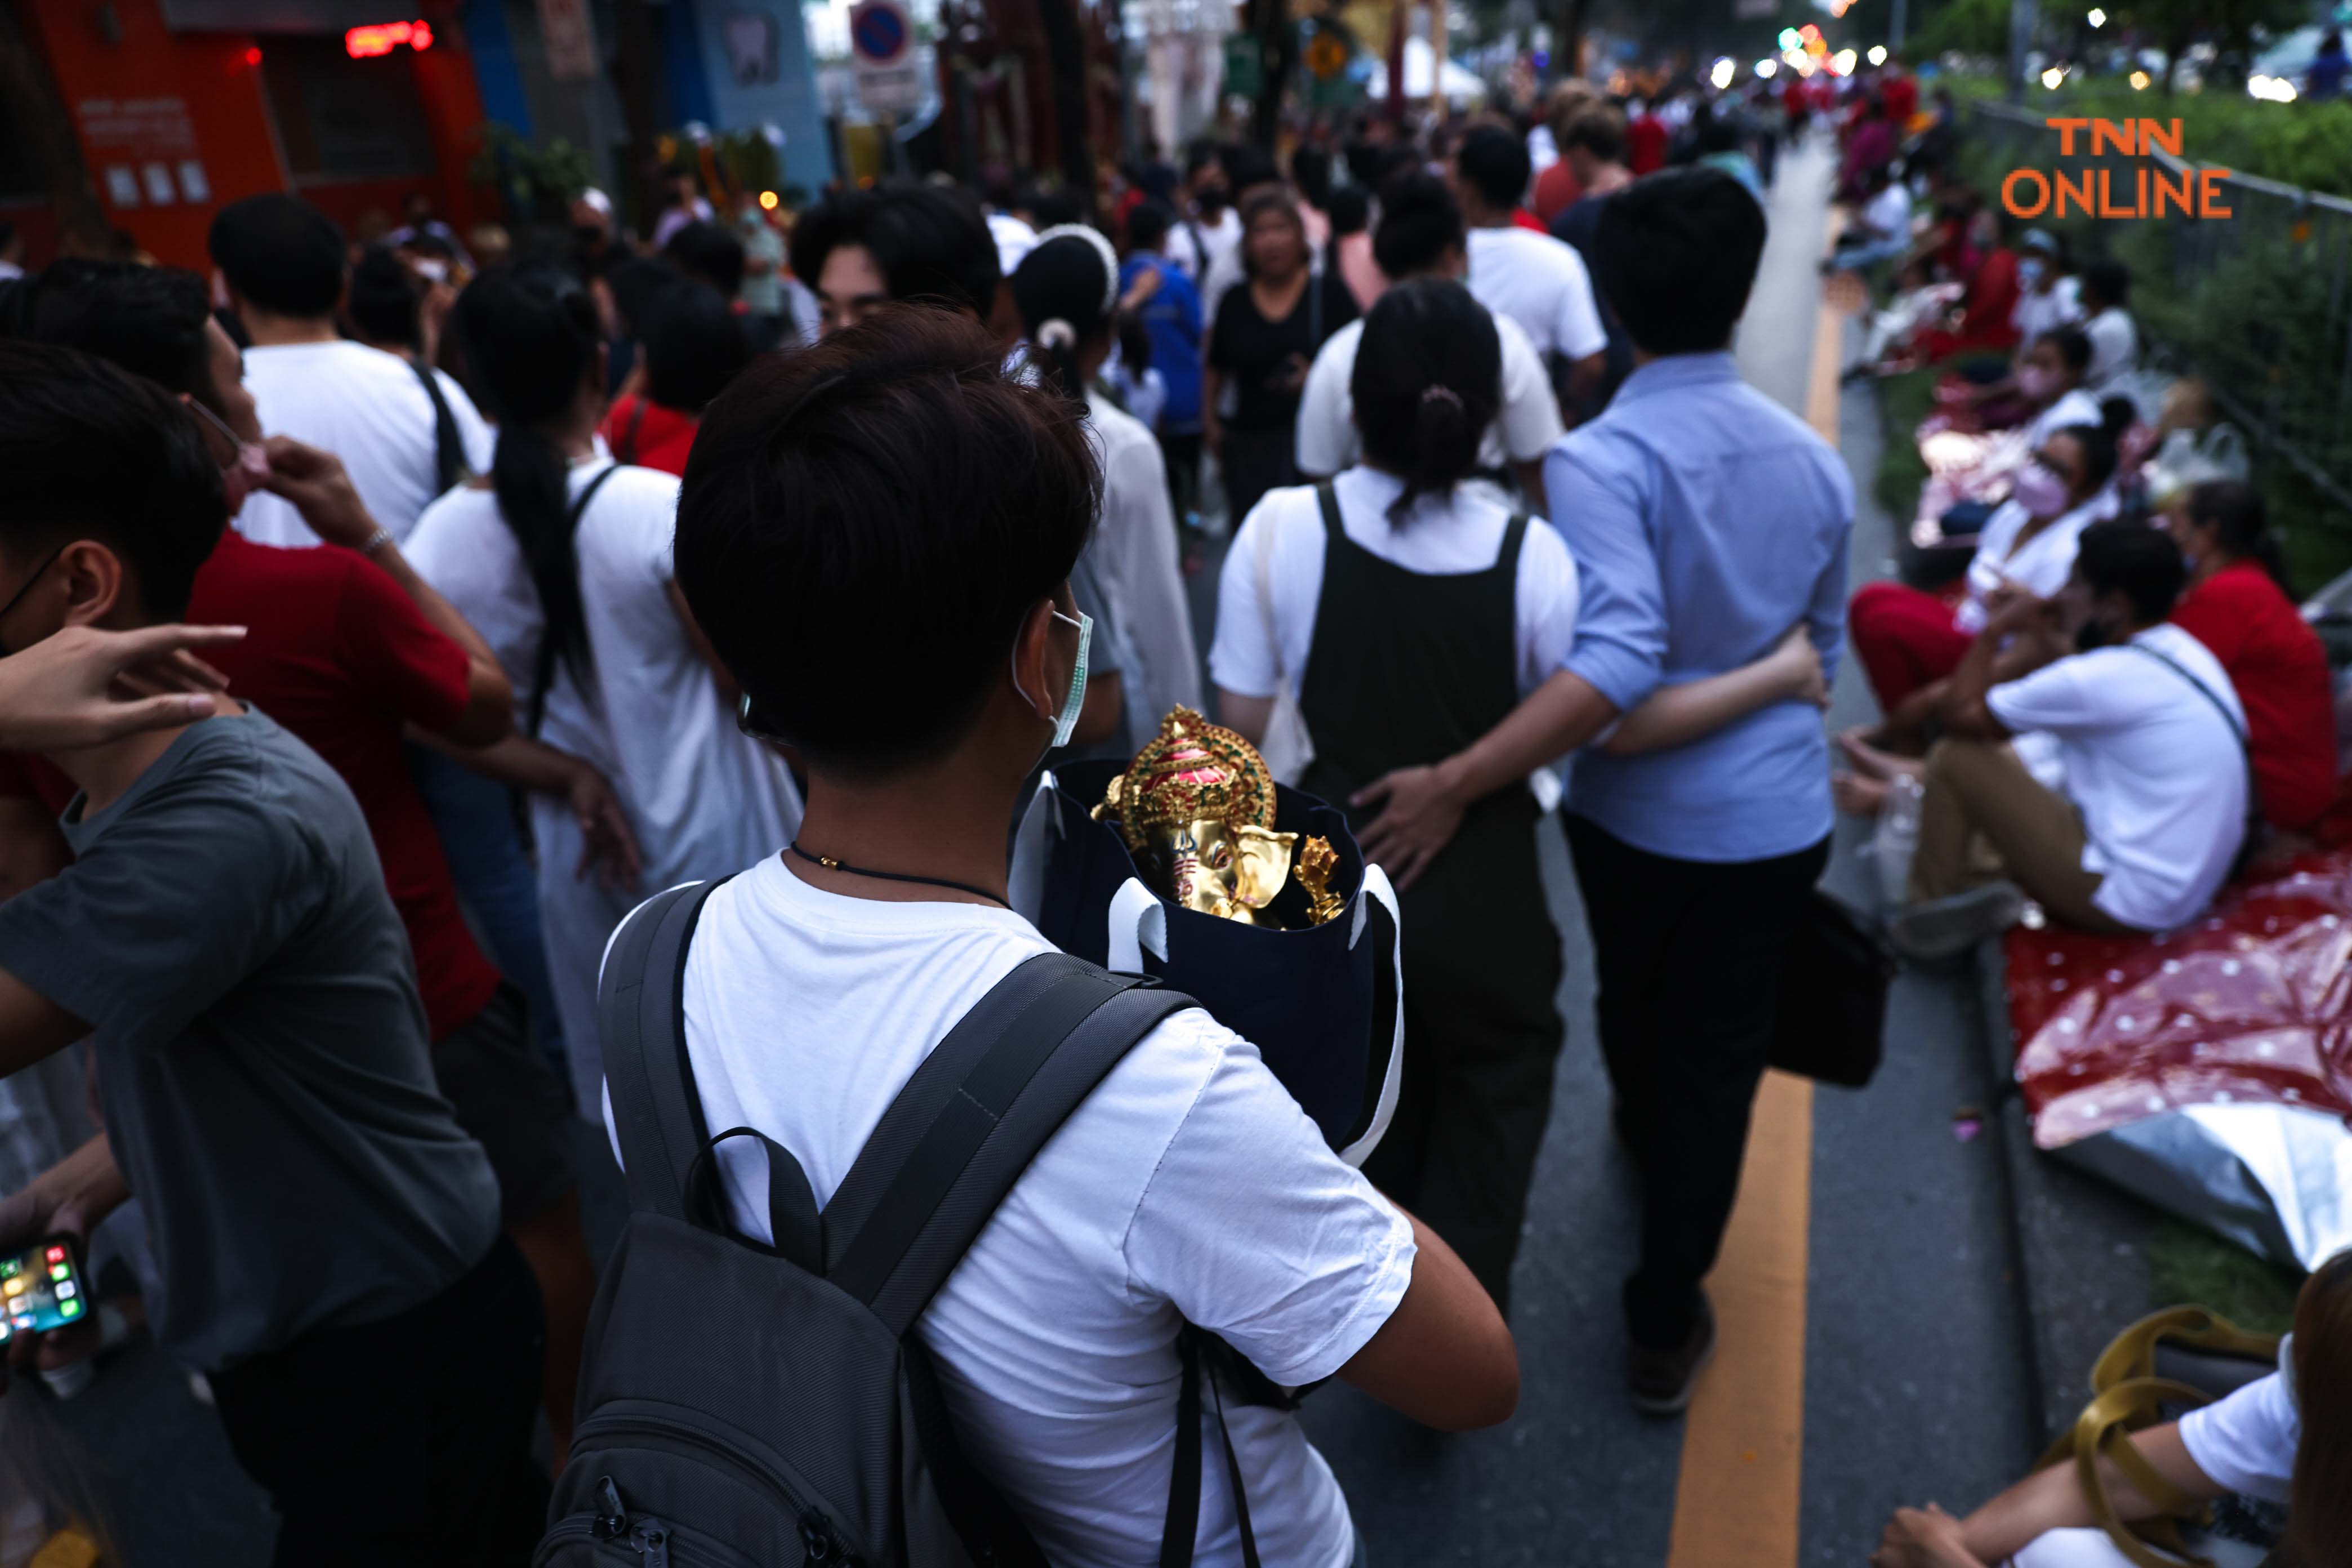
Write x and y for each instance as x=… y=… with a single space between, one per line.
x=1736 y=1502
x=1741 y=1489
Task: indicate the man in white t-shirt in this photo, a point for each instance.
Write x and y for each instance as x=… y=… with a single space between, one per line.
x=877 y=538
x=285 y=268
x=1210 y=231
x=1537 y=281
x=2151 y=736
x=1420 y=235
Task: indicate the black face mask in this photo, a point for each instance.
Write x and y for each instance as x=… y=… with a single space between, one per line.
x=590 y=236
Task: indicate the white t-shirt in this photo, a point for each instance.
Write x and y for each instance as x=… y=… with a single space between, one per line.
x=2158 y=775
x=1888 y=213
x=2036 y=313
x=2040 y=568
x=1214 y=240
x=1134 y=555
x=703 y=798
x=1523 y=430
x=2115 y=347
x=1443 y=536
x=1190 y=1182
x=367 y=407
x=1014 y=240
x=2247 y=1442
x=1540 y=283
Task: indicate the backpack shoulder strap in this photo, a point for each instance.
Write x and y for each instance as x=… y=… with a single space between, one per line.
x=970 y=1121
x=448 y=452
x=656 y=1114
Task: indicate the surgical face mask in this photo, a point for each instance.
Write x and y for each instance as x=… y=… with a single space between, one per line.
x=2041 y=492
x=2037 y=383
x=2029 y=270
x=1067 y=721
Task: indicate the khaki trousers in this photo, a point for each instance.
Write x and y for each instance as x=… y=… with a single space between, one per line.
x=1985 y=816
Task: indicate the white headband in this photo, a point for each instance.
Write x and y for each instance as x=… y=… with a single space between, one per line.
x=1094 y=238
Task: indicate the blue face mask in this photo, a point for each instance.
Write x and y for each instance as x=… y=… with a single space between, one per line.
x=1067 y=721
x=2029 y=270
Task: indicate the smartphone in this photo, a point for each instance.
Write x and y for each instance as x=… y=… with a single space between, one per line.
x=41 y=1289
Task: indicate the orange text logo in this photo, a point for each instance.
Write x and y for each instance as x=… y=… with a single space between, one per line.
x=2154 y=189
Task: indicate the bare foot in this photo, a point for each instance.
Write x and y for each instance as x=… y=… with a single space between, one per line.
x=1872 y=762
x=1856 y=795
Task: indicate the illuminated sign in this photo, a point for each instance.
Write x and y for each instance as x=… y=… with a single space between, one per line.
x=382 y=38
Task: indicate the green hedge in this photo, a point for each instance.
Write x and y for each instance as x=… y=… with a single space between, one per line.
x=2258 y=325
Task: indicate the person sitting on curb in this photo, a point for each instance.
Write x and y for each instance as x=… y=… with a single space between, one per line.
x=2151 y=734
x=2284 y=1439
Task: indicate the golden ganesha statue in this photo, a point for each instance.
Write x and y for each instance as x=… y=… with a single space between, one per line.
x=1196 y=807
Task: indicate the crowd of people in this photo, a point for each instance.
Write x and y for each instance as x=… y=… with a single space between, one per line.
x=527 y=579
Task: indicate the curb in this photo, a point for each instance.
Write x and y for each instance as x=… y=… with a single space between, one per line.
x=2080 y=1245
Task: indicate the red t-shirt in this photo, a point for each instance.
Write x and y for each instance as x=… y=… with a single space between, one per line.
x=1900 y=93
x=1645 y=145
x=2280 y=669
x=1555 y=191
x=340 y=657
x=643 y=432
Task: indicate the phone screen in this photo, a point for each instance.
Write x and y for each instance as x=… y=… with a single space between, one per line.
x=40 y=1289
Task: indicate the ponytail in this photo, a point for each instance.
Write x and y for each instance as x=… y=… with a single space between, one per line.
x=1427 y=382
x=1068 y=291
x=532 y=338
x=2101 y=443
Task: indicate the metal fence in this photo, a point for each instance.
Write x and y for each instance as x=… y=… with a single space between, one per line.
x=2258 y=305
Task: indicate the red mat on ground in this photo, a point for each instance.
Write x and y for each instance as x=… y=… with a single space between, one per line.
x=2253 y=1002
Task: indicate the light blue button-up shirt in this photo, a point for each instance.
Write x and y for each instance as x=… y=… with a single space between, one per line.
x=1706 y=521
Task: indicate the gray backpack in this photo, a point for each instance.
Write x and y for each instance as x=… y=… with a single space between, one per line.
x=752 y=1407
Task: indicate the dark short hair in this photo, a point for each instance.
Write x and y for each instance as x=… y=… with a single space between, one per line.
x=2074 y=346
x=1600 y=130
x=2234 y=510
x=1676 y=254
x=284 y=255
x=1310 y=171
x=707 y=253
x=638 y=285
x=1351 y=211
x=1495 y=164
x=383 y=302
x=931 y=244
x=1203 y=153
x=94 y=452
x=694 y=346
x=2122 y=555
x=891 y=492
x=148 y=320
x=2110 y=280
x=1148 y=224
x=1419 y=221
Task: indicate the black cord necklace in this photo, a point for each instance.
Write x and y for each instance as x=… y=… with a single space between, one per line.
x=830 y=864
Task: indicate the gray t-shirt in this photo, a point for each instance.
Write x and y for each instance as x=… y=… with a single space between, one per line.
x=262 y=1055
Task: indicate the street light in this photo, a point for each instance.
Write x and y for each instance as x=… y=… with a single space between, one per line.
x=1878 y=54
x=2052 y=76
x=1722 y=73
x=1765 y=68
x=2139 y=80
x=2096 y=17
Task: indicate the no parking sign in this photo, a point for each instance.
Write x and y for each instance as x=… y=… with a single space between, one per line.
x=882 y=46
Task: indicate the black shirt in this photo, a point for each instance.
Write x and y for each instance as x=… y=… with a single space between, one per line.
x=1255 y=354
